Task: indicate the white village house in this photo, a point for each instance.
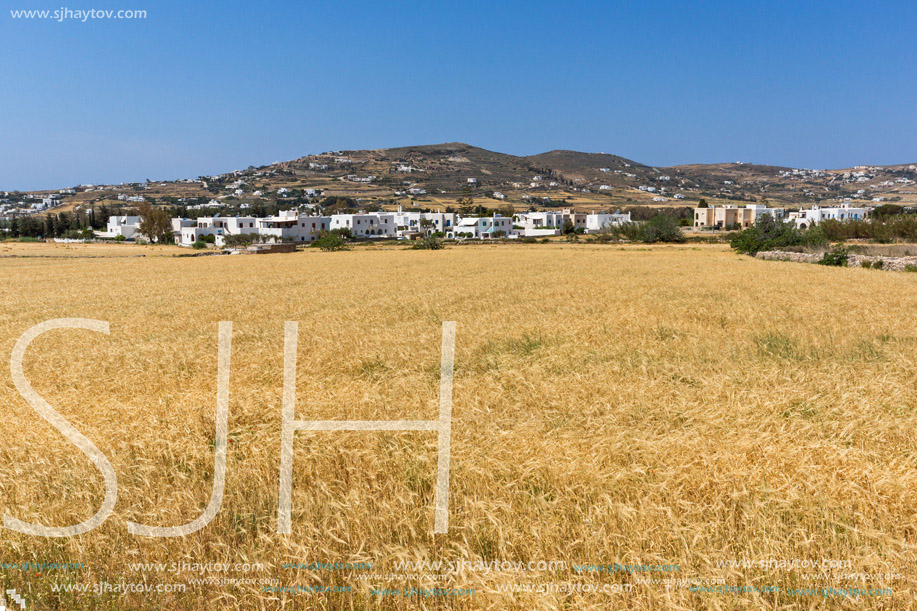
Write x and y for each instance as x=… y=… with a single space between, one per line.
x=372 y=225
x=482 y=227
x=126 y=227
x=287 y=226
x=845 y=212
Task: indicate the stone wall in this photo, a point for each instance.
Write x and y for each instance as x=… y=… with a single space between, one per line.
x=895 y=264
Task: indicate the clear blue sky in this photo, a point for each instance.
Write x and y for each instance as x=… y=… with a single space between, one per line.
x=204 y=87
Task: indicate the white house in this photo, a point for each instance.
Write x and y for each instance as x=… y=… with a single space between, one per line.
x=426 y=222
x=845 y=212
x=372 y=225
x=124 y=226
x=287 y=226
x=597 y=222
x=482 y=227
x=537 y=224
x=290 y=226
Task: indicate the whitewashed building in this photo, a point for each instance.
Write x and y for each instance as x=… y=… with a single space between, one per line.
x=126 y=227
x=483 y=227
x=371 y=225
x=597 y=222
x=845 y=212
x=537 y=224
x=287 y=226
x=424 y=222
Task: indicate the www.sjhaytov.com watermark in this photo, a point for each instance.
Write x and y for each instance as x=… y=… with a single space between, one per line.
x=63 y=14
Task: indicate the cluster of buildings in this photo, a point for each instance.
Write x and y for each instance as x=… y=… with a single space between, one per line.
x=27 y=204
x=298 y=227
x=294 y=226
x=728 y=217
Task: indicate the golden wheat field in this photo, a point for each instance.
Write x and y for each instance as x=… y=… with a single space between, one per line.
x=703 y=430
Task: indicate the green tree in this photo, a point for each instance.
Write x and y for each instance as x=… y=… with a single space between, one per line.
x=466 y=201
x=155 y=224
x=330 y=241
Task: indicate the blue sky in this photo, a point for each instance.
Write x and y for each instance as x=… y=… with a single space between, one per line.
x=204 y=87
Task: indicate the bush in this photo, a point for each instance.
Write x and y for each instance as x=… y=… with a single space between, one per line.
x=240 y=240
x=428 y=243
x=866 y=264
x=767 y=234
x=330 y=241
x=882 y=228
x=120 y=238
x=199 y=245
x=836 y=257
x=910 y=267
x=209 y=238
x=660 y=228
x=878 y=264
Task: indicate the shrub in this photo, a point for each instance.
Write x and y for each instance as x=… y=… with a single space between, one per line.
x=241 y=240
x=836 y=257
x=120 y=238
x=866 y=264
x=199 y=245
x=630 y=231
x=330 y=241
x=428 y=243
x=209 y=238
x=767 y=234
x=878 y=264
x=910 y=267
x=661 y=228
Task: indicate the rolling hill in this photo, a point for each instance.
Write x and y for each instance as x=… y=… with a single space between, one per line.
x=437 y=175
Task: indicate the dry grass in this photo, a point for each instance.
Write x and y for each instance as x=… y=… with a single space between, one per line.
x=10 y=249
x=666 y=405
